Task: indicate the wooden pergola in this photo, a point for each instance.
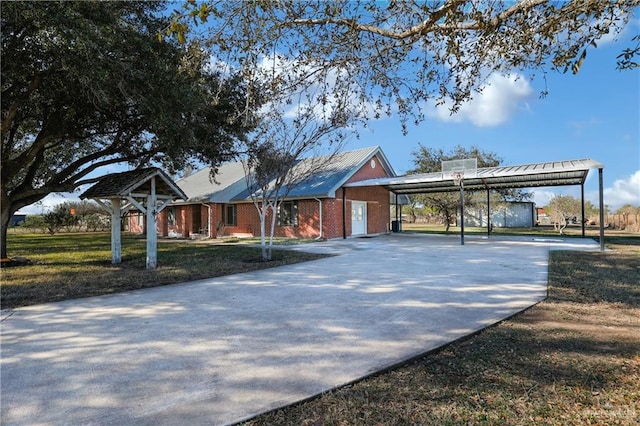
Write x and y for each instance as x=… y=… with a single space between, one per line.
x=149 y=190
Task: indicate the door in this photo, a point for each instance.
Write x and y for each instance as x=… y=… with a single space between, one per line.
x=196 y=219
x=358 y=218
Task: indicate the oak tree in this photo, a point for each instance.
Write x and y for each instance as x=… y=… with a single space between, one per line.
x=398 y=56
x=88 y=84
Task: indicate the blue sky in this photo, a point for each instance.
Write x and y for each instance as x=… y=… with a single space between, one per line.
x=594 y=114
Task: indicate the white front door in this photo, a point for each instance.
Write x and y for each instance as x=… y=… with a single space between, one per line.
x=358 y=218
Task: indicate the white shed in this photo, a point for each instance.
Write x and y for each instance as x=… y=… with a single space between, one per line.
x=509 y=215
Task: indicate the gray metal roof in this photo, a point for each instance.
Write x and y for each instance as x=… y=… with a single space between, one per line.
x=228 y=182
x=336 y=171
x=556 y=173
x=139 y=181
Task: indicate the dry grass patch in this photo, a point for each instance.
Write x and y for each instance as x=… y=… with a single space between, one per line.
x=571 y=360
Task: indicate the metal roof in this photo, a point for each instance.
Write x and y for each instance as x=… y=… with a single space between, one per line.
x=227 y=182
x=139 y=180
x=556 y=173
x=335 y=172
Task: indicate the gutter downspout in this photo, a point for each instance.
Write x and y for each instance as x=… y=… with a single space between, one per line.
x=320 y=218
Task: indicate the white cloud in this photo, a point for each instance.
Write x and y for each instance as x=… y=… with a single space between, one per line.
x=49 y=202
x=502 y=97
x=623 y=191
x=542 y=197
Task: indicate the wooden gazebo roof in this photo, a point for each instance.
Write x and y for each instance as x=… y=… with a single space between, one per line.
x=134 y=183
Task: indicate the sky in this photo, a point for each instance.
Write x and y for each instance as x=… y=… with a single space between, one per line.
x=594 y=114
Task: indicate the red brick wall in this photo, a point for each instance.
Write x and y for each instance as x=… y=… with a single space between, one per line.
x=367 y=172
x=378 y=207
x=248 y=222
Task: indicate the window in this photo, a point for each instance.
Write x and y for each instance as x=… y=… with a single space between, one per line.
x=288 y=213
x=171 y=216
x=230 y=214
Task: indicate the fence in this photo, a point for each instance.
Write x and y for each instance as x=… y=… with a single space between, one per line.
x=624 y=222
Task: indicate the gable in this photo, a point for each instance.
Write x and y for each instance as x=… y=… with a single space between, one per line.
x=374 y=168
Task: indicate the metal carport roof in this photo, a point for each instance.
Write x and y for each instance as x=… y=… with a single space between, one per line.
x=556 y=173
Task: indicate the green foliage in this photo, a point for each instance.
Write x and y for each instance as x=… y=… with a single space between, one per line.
x=627 y=59
x=58 y=218
x=88 y=84
x=398 y=55
x=34 y=223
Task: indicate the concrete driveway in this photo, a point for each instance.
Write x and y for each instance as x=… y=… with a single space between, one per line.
x=221 y=350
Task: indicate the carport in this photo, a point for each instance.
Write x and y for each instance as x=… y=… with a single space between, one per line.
x=534 y=175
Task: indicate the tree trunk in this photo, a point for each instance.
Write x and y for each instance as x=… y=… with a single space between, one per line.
x=5 y=218
x=263 y=242
x=447 y=221
x=274 y=211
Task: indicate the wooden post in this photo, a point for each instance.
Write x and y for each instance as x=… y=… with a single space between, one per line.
x=116 y=242
x=152 y=235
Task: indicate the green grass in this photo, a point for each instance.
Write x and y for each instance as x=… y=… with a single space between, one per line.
x=67 y=266
x=573 y=359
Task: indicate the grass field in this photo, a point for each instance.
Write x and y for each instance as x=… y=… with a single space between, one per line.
x=68 y=266
x=573 y=359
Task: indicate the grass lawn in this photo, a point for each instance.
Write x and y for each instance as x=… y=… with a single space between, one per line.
x=573 y=359
x=68 y=266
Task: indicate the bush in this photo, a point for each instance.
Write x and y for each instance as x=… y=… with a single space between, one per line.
x=34 y=223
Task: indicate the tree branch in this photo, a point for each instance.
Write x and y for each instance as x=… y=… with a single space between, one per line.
x=427 y=26
x=13 y=109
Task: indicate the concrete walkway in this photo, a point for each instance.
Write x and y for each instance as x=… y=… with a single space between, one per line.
x=221 y=350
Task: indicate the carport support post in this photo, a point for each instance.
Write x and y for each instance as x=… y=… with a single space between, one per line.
x=488 y=214
x=116 y=242
x=601 y=209
x=461 y=213
x=582 y=204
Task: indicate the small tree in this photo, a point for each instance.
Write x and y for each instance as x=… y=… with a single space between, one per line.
x=34 y=223
x=280 y=156
x=58 y=218
x=561 y=209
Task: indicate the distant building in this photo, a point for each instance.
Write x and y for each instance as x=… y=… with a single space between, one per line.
x=17 y=218
x=508 y=215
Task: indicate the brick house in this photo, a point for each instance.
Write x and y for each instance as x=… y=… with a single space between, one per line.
x=321 y=207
